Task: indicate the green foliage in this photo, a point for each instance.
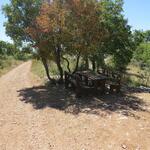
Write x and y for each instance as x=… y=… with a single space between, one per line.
x=142 y=57
x=10 y=56
x=7 y=48
x=7 y=63
x=89 y=30
x=119 y=42
x=20 y=14
x=142 y=53
x=147 y=36
x=139 y=37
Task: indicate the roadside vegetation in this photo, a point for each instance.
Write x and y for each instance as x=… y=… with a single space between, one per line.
x=75 y=35
x=140 y=64
x=7 y=63
x=11 y=56
x=137 y=72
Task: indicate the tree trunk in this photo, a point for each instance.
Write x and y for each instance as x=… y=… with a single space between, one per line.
x=58 y=62
x=68 y=64
x=77 y=63
x=86 y=63
x=100 y=61
x=93 y=64
x=46 y=68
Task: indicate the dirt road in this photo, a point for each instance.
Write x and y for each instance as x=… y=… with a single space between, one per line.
x=22 y=127
x=19 y=129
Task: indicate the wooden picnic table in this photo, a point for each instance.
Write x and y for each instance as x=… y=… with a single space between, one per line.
x=95 y=80
x=89 y=82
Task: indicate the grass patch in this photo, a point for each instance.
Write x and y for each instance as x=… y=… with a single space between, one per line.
x=138 y=76
x=38 y=69
x=134 y=76
x=7 y=63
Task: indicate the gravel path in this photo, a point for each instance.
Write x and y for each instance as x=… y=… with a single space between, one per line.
x=24 y=128
x=19 y=127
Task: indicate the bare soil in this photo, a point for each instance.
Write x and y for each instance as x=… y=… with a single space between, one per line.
x=38 y=117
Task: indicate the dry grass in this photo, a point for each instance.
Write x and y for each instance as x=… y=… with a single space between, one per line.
x=137 y=76
x=133 y=76
x=8 y=63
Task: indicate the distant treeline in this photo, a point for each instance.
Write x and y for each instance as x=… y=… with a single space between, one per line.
x=9 y=49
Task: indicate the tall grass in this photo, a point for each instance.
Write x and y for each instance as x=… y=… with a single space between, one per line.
x=38 y=69
x=138 y=76
x=135 y=76
x=7 y=63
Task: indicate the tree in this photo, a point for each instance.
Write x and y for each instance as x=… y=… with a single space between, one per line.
x=142 y=53
x=7 y=48
x=20 y=14
x=119 y=42
x=66 y=29
x=88 y=29
x=86 y=26
x=49 y=29
x=147 y=36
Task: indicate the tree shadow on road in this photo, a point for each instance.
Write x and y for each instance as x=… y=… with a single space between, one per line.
x=64 y=100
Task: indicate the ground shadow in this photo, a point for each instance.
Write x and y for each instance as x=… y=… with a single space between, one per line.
x=58 y=97
x=140 y=89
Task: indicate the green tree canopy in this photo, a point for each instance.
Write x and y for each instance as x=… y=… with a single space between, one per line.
x=20 y=14
x=88 y=29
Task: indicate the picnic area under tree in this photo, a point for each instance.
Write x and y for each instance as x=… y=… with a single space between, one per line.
x=82 y=81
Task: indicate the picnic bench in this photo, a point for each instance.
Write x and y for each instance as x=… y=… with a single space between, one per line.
x=85 y=83
x=74 y=81
x=93 y=80
x=88 y=82
x=70 y=80
x=114 y=80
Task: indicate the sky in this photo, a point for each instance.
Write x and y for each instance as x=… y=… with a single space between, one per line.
x=2 y=20
x=136 y=11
